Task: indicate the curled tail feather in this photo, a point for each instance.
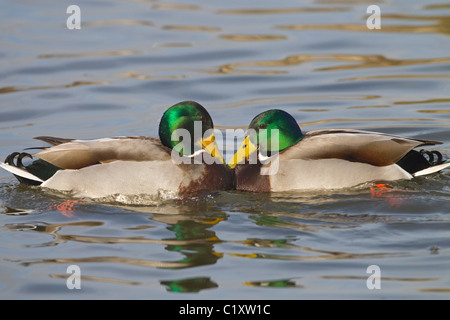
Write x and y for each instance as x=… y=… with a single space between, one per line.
x=423 y=162
x=33 y=174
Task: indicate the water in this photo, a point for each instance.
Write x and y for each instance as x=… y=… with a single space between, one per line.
x=315 y=59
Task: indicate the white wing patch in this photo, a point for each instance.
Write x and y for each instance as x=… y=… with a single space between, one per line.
x=20 y=172
x=432 y=169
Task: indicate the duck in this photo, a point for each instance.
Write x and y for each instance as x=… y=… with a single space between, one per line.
x=276 y=156
x=132 y=165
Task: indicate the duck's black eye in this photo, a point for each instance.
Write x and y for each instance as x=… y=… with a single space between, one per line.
x=263 y=125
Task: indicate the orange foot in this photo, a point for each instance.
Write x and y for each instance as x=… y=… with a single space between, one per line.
x=379 y=186
x=66 y=207
x=382 y=191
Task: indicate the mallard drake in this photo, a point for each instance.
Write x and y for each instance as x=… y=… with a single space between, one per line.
x=133 y=165
x=287 y=159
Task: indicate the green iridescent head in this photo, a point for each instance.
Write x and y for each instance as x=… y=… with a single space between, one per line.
x=267 y=124
x=269 y=132
x=183 y=126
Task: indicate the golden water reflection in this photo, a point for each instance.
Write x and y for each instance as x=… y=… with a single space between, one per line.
x=438 y=28
x=398 y=76
x=423 y=101
x=441 y=25
x=263 y=11
x=192 y=239
x=296 y=98
x=357 y=62
x=437 y=6
x=13 y=89
x=118 y=22
x=369 y=107
x=436 y=290
x=196 y=241
x=349 y=1
x=89 y=54
x=384 y=278
x=132 y=74
x=175 y=6
x=191 y=28
x=252 y=37
x=97 y=279
x=439 y=122
x=328 y=255
x=434 y=111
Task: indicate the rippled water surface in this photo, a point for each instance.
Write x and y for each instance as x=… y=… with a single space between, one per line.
x=315 y=59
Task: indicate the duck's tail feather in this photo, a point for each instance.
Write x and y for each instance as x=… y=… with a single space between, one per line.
x=54 y=141
x=423 y=162
x=21 y=174
x=432 y=169
x=33 y=174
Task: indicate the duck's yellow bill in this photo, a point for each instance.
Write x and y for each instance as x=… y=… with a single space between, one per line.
x=244 y=152
x=209 y=144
